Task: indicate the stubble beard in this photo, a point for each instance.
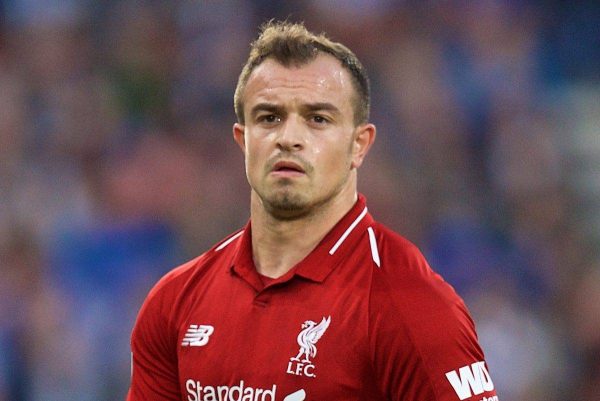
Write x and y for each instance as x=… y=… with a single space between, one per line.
x=286 y=203
x=284 y=200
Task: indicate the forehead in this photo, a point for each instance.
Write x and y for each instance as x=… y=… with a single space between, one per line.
x=322 y=80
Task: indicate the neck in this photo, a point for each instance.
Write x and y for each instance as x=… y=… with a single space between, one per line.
x=278 y=245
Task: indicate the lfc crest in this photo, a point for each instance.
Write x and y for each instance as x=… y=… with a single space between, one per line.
x=301 y=364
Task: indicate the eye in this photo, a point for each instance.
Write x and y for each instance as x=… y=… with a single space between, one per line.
x=269 y=118
x=319 y=119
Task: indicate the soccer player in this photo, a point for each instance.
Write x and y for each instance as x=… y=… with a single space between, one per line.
x=313 y=299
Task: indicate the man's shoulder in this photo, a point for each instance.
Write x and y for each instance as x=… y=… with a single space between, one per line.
x=417 y=319
x=404 y=270
x=398 y=254
x=407 y=290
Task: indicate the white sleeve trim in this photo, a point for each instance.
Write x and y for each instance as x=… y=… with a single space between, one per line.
x=374 y=250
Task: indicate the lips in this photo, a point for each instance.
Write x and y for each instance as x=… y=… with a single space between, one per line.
x=287 y=166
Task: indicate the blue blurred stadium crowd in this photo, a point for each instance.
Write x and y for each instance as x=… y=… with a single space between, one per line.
x=117 y=164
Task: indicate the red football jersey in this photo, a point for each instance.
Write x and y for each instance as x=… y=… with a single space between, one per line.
x=362 y=317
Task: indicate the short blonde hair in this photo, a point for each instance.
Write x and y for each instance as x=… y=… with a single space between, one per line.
x=291 y=44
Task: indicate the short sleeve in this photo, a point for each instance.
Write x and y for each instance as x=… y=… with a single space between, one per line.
x=154 y=359
x=423 y=341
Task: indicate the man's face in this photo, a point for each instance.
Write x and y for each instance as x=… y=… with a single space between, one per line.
x=299 y=136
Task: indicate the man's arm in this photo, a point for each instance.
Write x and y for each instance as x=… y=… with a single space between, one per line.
x=423 y=342
x=154 y=353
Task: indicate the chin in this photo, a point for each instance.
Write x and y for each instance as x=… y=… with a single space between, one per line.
x=287 y=206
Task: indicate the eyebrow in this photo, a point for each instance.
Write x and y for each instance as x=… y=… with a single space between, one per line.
x=273 y=108
x=270 y=107
x=321 y=106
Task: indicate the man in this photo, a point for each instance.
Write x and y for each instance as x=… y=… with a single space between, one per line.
x=313 y=299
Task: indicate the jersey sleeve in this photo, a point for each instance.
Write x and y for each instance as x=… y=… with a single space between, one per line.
x=422 y=339
x=153 y=345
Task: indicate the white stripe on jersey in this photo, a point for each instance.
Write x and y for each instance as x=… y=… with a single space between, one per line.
x=374 y=251
x=348 y=231
x=228 y=241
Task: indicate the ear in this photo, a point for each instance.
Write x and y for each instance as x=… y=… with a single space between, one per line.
x=364 y=136
x=239 y=135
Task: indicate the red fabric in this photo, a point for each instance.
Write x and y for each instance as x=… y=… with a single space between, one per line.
x=391 y=332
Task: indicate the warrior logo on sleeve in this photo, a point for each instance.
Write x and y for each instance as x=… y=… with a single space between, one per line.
x=471 y=380
x=301 y=364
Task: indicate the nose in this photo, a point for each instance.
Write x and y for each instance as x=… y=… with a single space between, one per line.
x=291 y=135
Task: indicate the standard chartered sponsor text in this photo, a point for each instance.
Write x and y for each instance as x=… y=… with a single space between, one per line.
x=197 y=392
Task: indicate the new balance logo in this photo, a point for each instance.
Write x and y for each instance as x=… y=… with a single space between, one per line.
x=470 y=379
x=197 y=335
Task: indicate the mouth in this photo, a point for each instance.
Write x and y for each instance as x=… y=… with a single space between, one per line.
x=287 y=168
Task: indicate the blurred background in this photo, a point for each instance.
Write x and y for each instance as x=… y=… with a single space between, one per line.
x=117 y=163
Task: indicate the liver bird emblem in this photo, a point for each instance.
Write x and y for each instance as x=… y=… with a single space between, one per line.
x=308 y=337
